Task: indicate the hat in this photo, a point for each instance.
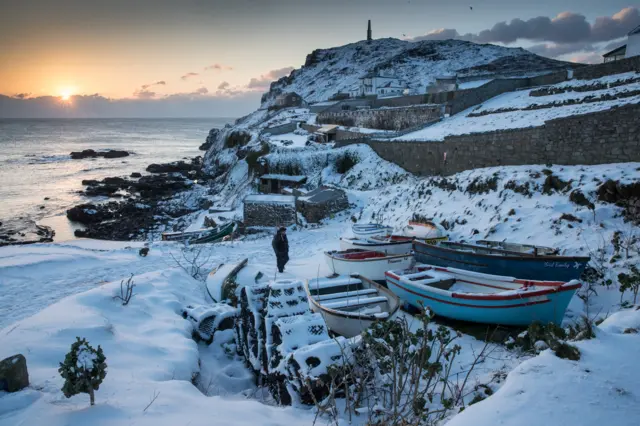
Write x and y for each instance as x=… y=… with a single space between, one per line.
x=282 y=228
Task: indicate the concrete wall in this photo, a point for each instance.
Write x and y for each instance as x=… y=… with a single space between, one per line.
x=384 y=119
x=633 y=46
x=611 y=136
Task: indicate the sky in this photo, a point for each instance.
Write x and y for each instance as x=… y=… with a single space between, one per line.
x=216 y=57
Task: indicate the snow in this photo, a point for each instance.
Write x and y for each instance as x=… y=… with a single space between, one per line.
x=270 y=199
x=85 y=358
x=290 y=140
x=462 y=123
x=287 y=178
x=473 y=84
x=600 y=389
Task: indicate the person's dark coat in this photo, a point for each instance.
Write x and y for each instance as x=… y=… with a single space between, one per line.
x=280 y=246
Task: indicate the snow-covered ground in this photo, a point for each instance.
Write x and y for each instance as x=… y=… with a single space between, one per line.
x=290 y=140
x=462 y=123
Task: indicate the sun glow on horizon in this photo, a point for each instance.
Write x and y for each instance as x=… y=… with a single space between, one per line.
x=66 y=94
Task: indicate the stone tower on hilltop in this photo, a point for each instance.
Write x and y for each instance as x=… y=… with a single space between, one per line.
x=369 y=31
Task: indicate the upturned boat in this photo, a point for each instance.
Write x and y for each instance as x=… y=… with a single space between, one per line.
x=426 y=230
x=500 y=258
x=369 y=263
x=386 y=244
x=364 y=230
x=350 y=304
x=482 y=298
x=200 y=236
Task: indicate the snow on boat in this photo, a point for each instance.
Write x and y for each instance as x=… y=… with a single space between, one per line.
x=425 y=230
x=363 y=230
x=220 y=281
x=389 y=245
x=507 y=259
x=482 y=298
x=369 y=263
x=350 y=304
x=200 y=236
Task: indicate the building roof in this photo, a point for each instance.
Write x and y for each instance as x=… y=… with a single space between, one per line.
x=634 y=31
x=327 y=128
x=270 y=199
x=286 y=178
x=321 y=195
x=617 y=51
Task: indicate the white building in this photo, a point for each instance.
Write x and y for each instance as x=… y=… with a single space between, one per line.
x=381 y=84
x=633 y=43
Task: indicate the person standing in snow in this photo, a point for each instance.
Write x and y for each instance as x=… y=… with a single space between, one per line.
x=280 y=246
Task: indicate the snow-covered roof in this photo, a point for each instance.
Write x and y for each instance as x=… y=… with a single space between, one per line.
x=617 y=51
x=288 y=178
x=327 y=103
x=270 y=199
x=327 y=128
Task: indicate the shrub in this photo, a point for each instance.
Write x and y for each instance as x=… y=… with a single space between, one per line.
x=346 y=161
x=253 y=158
x=126 y=290
x=237 y=138
x=83 y=369
x=630 y=282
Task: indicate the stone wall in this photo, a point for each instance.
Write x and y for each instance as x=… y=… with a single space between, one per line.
x=601 y=70
x=315 y=211
x=281 y=129
x=264 y=214
x=611 y=136
x=384 y=119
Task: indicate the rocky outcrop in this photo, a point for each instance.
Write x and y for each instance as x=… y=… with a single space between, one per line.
x=626 y=196
x=14 y=375
x=90 y=153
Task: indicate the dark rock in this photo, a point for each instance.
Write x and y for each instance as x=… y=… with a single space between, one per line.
x=176 y=167
x=144 y=251
x=14 y=375
x=136 y=175
x=87 y=153
x=205 y=146
x=41 y=207
x=47 y=198
x=577 y=197
x=570 y=218
x=112 y=153
x=84 y=213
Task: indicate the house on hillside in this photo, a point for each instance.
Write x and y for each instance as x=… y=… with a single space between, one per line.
x=276 y=183
x=632 y=48
x=381 y=84
x=289 y=100
x=444 y=83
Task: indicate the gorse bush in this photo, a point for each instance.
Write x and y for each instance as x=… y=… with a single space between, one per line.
x=345 y=162
x=83 y=370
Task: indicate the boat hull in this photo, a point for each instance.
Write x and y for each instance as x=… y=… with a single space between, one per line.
x=544 y=268
x=370 y=230
x=495 y=309
x=388 y=248
x=374 y=268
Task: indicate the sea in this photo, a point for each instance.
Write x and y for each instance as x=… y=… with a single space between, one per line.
x=39 y=181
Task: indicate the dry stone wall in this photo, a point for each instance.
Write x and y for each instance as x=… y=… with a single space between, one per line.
x=385 y=118
x=611 y=136
x=265 y=214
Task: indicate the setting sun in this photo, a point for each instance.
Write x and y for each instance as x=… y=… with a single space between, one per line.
x=66 y=94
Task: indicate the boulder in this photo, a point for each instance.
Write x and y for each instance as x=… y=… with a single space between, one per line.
x=84 y=213
x=113 y=153
x=13 y=373
x=136 y=175
x=87 y=153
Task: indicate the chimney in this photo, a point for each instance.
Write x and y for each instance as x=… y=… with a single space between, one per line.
x=369 y=31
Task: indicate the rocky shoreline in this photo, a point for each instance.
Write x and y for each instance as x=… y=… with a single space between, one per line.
x=145 y=201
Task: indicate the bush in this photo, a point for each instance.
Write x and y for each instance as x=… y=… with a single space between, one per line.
x=346 y=161
x=237 y=138
x=83 y=369
x=630 y=282
x=253 y=158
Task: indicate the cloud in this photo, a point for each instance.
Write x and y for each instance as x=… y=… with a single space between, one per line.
x=201 y=91
x=144 y=94
x=587 y=58
x=224 y=85
x=566 y=33
x=21 y=95
x=263 y=82
x=157 y=83
x=196 y=104
x=189 y=75
x=218 y=67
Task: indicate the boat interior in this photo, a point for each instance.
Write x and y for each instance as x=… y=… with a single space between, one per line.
x=392 y=238
x=519 y=248
x=429 y=277
x=349 y=295
x=500 y=249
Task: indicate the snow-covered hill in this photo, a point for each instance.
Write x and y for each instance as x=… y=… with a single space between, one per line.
x=329 y=71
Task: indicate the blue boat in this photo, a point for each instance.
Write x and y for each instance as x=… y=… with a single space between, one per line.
x=482 y=298
x=500 y=258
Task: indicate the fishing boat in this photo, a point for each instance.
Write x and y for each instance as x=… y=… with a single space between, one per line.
x=387 y=244
x=364 y=230
x=369 y=263
x=350 y=304
x=507 y=259
x=482 y=298
x=200 y=236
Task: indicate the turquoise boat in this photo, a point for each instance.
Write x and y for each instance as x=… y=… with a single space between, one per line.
x=201 y=236
x=482 y=298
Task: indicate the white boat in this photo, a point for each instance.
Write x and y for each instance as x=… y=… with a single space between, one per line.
x=350 y=304
x=369 y=263
x=364 y=230
x=425 y=231
x=389 y=245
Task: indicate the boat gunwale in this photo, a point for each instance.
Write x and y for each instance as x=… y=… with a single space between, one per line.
x=505 y=254
x=355 y=315
x=386 y=256
x=563 y=286
x=366 y=243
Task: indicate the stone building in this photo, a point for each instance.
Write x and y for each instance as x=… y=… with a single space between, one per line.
x=289 y=100
x=321 y=203
x=269 y=210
